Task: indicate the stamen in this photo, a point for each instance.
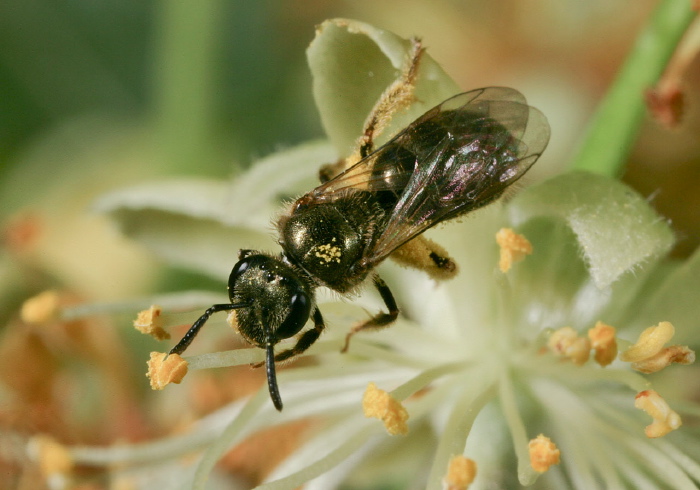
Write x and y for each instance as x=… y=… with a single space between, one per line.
x=42 y=308
x=151 y=323
x=650 y=343
x=678 y=354
x=461 y=472
x=164 y=369
x=543 y=453
x=604 y=343
x=665 y=419
x=381 y=405
x=514 y=248
x=565 y=342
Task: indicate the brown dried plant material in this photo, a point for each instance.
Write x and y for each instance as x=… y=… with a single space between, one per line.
x=666 y=101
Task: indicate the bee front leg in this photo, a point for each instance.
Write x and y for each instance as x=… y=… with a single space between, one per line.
x=380 y=320
x=306 y=340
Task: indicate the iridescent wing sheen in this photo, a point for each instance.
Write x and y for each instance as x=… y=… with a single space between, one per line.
x=370 y=172
x=457 y=157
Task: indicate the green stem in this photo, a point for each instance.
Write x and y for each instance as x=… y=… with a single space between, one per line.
x=614 y=127
x=188 y=37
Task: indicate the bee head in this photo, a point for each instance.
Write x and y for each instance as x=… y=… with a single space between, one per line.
x=279 y=304
x=280 y=299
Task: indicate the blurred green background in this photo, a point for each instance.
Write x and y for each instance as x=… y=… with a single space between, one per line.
x=98 y=95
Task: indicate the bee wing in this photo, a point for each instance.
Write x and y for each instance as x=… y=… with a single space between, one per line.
x=370 y=172
x=478 y=144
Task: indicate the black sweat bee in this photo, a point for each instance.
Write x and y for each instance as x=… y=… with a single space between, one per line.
x=457 y=157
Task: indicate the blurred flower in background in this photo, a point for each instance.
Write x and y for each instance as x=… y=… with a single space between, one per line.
x=97 y=97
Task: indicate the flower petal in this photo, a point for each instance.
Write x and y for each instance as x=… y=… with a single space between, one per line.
x=204 y=245
x=352 y=63
x=674 y=298
x=615 y=227
x=179 y=221
x=200 y=223
x=254 y=196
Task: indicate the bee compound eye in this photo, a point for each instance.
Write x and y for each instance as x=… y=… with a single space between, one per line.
x=240 y=267
x=299 y=311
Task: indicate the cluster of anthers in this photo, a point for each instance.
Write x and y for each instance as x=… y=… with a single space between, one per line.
x=648 y=355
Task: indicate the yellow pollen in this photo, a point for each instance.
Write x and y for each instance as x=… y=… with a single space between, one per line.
x=163 y=371
x=461 y=472
x=665 y=419
x=604 y=343
x=328 y=252
x=232 y=319
x=42 y=308
x=565 y=342
x=151 y=323
x=514 y=248
x=381 y=405
x=543 y=453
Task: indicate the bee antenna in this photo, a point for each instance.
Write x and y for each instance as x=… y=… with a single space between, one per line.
x=272 y=376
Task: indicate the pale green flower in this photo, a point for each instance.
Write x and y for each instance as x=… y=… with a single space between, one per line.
x=467 y=357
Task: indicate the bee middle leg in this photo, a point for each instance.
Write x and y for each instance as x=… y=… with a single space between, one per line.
x=330 y=170
x=380 y=320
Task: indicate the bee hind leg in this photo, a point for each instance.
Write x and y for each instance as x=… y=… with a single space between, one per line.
x=424 y=254
x=380 y=320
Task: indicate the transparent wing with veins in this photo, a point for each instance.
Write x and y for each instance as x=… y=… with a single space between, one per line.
x=457 y=157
